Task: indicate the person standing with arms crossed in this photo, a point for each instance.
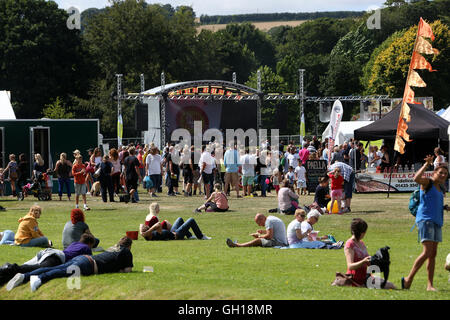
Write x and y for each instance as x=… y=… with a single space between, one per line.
x=429 y=219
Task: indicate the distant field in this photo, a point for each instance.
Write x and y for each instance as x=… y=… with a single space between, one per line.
x=264 y=26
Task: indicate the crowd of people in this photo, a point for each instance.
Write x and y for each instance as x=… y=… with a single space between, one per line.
x=120 y=173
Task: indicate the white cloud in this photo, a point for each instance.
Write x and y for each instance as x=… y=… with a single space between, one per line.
x=226 y=7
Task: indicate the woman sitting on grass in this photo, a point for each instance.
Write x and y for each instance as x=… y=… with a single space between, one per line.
x=116 y=259
x=357 y=257
x=217 y=202
x=75 y=228
x=155 y=230
x=28 y=233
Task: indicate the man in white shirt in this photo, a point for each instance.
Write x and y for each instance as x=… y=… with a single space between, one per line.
x=206 y=164
x=273 y=236
x=300 y=177
x=293 y=158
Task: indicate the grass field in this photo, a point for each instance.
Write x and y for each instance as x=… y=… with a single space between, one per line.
x=263 y=26
x=195 y=269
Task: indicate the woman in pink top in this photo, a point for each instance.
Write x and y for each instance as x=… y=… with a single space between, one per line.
x=357 y=257
x=216 y=202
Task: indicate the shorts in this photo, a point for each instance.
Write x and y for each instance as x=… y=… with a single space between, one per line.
x=271 y=243
x=348 y=186
x=131 y=184
x=337 y=193
x=248 y=181
x=429 y=231
x=188 y=176
x=208 y=178
x=231 y=178
x=213 y=206
x=301 y=184
x=196 y=175
x=80 y=189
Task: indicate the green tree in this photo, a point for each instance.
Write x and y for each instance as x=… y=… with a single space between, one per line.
x=40 y=58
x=57 y=110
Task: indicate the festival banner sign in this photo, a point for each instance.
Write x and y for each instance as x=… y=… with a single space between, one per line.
x=335 y=120
x=379 y=182
x=414 y=80
x=314 y=170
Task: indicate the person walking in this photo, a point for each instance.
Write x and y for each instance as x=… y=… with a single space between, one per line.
x=105 y=179
x=231 y=162
x=79 y=180
x=429 y=219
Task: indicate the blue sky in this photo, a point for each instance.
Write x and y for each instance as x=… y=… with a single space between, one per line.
x=225 y=7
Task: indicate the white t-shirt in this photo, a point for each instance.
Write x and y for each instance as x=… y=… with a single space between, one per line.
x=301 y=173
x=291 y=231
x=154 y=164
x=248 y=163
x=293 y=160
x=209 y=160
x=305 y=228
x=290 y=176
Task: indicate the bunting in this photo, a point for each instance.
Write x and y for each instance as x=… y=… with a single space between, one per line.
x=418 y=62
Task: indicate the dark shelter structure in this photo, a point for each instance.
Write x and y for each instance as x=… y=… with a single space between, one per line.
x=426 y=130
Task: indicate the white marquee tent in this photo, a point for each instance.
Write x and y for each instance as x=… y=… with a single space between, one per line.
x=346 y=129
x=6 y=109
x=446 y=114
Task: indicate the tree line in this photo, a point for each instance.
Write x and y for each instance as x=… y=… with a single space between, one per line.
x=55 y=72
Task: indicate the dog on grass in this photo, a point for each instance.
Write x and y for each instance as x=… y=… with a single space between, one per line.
x=95 y=190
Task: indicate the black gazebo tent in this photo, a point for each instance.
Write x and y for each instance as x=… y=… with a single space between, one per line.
x=426 y=129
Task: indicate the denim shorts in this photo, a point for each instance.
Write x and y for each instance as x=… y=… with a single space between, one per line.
x=429 y=231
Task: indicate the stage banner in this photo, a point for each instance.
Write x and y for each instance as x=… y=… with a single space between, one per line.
x=183 y=113
x=379 y=182
x=335 y=120
x=314 y=170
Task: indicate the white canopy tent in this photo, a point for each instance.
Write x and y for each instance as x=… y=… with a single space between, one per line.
x=346 y=129
x=446 y=114
x=6 y=109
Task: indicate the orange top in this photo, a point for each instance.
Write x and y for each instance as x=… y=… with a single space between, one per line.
x=78 y=177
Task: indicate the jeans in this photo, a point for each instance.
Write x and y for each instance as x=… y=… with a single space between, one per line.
x=156 y=179
x=8 y=237
x=263 y=184
x=61 y=183
x=37 y=242
x=181 y=228
x=47 y=274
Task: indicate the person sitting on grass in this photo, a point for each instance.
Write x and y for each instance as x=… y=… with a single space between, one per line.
x=156 y=230
x=116 y=259
x=49 y=258
x=273 y=236
x=307 y=237
x=287 y=199
x=74 y=228
x=217 y=202
x=356 y=255
x=28 y=233
x=321 y=195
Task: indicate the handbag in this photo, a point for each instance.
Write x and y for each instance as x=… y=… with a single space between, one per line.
x=345 y=280
x=97 y=172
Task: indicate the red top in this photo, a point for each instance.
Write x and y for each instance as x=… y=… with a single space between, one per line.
x=360 y=252
x=78 y=177
x=153 y=220
x=336 y=183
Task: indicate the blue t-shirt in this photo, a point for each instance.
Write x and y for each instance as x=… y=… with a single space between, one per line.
x=431 y=206
x=76 y=249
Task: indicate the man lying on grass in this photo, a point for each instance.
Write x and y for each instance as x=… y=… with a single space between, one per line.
x=116 y=259
x=273 y=236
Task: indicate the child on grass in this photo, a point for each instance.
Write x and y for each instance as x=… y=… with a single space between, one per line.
x=275 y=179
x=290 y=176
x=300 y=177
x=48 y=182
x=336 y=188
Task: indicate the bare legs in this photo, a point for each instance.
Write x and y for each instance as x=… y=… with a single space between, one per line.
x=429 y=253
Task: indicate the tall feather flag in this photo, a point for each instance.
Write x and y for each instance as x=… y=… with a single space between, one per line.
x=119 y=130
x=414 y=80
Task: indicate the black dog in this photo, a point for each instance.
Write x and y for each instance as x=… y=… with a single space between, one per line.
x=382 y=260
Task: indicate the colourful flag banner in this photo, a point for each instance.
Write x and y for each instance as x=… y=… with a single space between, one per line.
x=119 y=130
x=335 y=120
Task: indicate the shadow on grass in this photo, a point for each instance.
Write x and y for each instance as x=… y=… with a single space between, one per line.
x=367 y=212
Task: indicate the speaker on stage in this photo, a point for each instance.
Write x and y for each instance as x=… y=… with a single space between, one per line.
x=141 y=116
x=324 y=111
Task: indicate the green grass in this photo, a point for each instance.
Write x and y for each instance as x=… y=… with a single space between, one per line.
x=194 y=269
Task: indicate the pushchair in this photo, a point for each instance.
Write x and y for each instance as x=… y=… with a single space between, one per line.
x=35 y=188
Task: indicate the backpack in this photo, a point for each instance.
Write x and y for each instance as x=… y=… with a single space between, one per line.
x=414 y=199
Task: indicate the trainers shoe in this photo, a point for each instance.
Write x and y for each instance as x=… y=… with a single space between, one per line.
x=192 y=237
x=16 y=281
x=86 y=208
x=205 y=237
x=35 y=283
x=230 y=243
x=338 y=245
x=197 y=211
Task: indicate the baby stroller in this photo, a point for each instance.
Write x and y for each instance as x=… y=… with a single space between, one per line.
x=35 y=188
